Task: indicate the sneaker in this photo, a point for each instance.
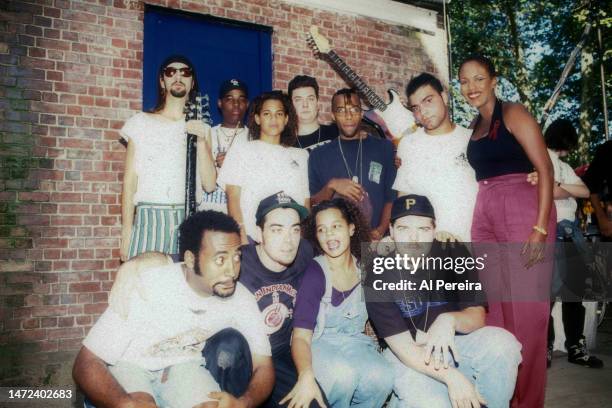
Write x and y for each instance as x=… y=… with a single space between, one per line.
x=578 y=354
x=549 y=353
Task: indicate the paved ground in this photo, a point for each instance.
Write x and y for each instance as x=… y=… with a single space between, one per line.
x=572 y=386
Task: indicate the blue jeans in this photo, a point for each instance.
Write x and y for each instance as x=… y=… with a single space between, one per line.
x=568 y=233
x=489 y=357
x=227 y=365
x=351 y=371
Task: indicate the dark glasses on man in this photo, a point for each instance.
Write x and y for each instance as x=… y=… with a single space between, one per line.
x=170 y=71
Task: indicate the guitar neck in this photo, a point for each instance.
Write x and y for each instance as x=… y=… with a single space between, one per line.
x=361 y=86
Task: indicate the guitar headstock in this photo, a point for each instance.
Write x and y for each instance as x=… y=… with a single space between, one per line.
x=198 y=109
x=316 y=41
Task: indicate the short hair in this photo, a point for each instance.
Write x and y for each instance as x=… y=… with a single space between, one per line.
x=351 y=214
x=303 y=81
x=561 y=135
x=422 y=80
x=289 y=135
x=482 y=60
x=191 y=231
x=347 y=92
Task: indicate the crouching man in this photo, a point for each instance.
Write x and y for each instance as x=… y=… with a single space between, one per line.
x=442 y=353
x=193 y=336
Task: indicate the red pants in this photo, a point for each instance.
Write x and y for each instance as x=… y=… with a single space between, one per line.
x=505 y=212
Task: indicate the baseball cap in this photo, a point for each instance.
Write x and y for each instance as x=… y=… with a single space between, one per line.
x=230 y=85
x=412 y=204
x=175 y=58
x=278 y=200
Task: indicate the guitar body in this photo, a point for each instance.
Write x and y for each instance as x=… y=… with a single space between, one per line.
x=395 y=120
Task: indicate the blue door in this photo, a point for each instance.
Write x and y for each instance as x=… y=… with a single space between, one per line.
x=220 y=49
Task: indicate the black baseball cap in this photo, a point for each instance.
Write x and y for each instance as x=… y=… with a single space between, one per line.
x=278 y=200
x=175 y=58
x=412 y=204
x=230 y=85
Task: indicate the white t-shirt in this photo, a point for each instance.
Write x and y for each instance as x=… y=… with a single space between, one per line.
x=223 y=139
x=160 y=158
x=171 y=324
x=262 y=169
x=436 y=167
x=563 y=173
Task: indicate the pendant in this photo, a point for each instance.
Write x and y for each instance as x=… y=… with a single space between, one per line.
x=421 y=337
x=355 y=179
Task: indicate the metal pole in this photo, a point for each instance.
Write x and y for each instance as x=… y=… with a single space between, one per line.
x=603 y=84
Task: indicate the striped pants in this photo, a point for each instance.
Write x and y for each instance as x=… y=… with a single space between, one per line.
x=156 y=228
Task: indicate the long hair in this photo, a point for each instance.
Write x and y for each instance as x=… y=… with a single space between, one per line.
x=161 y=92
x=350 y=212
x=289 y=134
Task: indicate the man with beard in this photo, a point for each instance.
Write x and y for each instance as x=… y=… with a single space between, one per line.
x=153 y=199
x=271 y=270
x=434 y=161
x=442 y=352
x=303 y=91
x=355 y=165
x=192 y=336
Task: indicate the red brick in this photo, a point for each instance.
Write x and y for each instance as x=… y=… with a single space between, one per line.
x=31 y=323
x=65 y=333
x=95 y=308
x=48 y=311
x=67 y=321
x=69 y=344
x=85 y=286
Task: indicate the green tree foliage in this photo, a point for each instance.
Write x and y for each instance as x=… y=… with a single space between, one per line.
x=529 y=43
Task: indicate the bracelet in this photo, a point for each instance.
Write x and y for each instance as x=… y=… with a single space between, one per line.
x=540 y=230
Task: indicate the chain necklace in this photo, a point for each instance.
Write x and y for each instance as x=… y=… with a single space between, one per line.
x=229 y=139
x=318 y=139
x=358 y=161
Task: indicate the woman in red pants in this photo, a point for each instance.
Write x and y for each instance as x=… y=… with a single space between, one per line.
x=513 y=220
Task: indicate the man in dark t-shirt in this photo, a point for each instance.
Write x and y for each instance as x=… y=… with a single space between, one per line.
x=355 y=165
x=440 y=349
x=273 y=271
x=303 y=91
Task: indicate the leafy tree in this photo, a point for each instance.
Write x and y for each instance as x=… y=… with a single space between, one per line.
x=529 y=43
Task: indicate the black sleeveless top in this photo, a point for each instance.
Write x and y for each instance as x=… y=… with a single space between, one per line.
x=498 y=153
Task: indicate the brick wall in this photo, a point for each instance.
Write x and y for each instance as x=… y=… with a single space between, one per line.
x=70 y=74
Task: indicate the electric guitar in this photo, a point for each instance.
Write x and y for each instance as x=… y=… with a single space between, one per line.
x=393 y=116
x=198 y=109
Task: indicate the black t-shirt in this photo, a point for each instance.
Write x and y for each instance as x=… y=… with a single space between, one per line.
x=275 y=292
x=598 y=177
x=394 y=312
x=319 y=137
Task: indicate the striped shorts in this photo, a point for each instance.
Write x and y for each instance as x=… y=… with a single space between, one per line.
x=156 y=228
x=217 y=200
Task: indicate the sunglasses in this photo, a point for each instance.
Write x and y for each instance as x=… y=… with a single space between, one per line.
x=185 y=72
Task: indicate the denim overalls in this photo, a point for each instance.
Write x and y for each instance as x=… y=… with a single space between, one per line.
x=345 y=360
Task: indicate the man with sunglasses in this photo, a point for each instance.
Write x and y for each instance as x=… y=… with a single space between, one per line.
x=355 y=165
x=153 y=198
